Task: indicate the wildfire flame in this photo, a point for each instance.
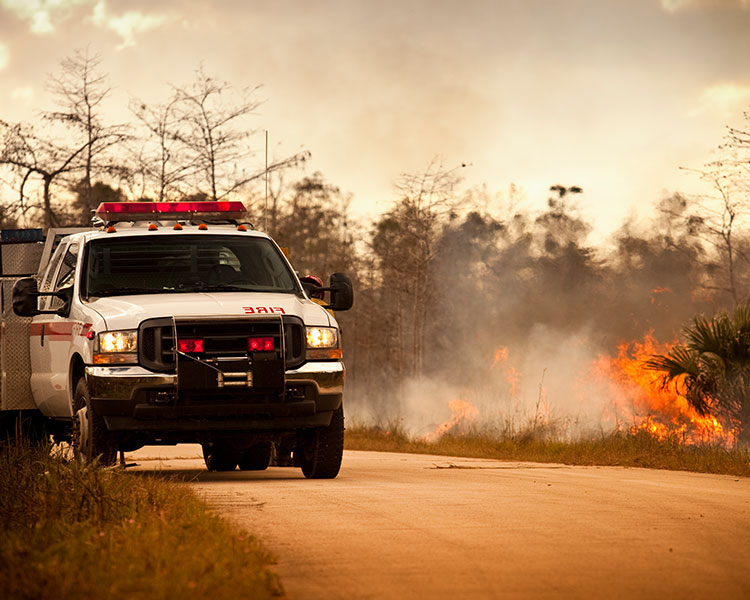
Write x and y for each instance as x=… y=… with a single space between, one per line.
x=501 y=356
x=512 y=375
x=462 y=411
x=639 y=397
x=657 y=292
x=634 y=399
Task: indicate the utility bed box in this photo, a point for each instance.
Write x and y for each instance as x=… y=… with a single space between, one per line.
x=15 y=388
x=23 y=253
x=20 y=256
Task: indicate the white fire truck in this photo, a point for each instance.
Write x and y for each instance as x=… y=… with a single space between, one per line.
x=172 y=322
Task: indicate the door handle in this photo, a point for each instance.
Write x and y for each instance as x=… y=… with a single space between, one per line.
x=42 y=336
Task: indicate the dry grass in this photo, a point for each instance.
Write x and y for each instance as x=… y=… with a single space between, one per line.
x=617 y=449
x=73 y=531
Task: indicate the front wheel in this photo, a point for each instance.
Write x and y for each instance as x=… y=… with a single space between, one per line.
x=256 y=458
x=321 y=452
x=219 y=457
x=91 y=438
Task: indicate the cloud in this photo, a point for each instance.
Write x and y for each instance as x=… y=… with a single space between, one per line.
x=22 y=93
x=726 y=100
x=126 y=25
x=4 y=56
x=678 y=6
x=42 y=15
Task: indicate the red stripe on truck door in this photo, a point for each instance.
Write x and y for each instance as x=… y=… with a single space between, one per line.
x=63 y=331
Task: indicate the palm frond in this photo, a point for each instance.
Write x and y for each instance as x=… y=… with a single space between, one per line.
x=680 y=360
x=713 y=366
x=715 y=361
x=709 y=335
x=741 y=317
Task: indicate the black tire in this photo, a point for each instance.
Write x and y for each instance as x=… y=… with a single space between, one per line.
x=98 y=442
x=256 y=458
x=321 y=453
x=219 y=457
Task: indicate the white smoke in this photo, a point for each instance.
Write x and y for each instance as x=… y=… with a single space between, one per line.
x=546 y=387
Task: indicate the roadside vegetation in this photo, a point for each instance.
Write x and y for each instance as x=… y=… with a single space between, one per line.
x=81 y=531
x=639 y=449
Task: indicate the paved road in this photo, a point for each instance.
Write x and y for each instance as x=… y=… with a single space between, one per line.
x=408 y=526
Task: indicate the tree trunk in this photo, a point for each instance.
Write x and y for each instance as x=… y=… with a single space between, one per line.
x=49 y=217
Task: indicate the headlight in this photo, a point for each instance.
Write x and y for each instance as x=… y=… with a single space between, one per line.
x=116 y=347
x=118 y=341
x=322 y=337
x=323 y=342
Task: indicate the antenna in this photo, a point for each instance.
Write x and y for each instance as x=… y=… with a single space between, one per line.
x=265 y=208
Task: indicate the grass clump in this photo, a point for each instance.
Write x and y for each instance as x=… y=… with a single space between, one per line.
x=71 y=531
x=639 y=449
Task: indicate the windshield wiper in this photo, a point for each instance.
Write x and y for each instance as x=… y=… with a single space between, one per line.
x=191 y=289
x=214 y=287
x=124 y=292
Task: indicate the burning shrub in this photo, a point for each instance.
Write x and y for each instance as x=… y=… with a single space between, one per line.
x=640 y=397
x=713 y=367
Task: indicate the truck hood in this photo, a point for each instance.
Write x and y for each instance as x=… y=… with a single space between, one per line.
x=127 y=312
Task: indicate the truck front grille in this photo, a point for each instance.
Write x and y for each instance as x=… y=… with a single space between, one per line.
x=222 y=338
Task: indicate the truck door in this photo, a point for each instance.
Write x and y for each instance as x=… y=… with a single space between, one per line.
x=52 y=336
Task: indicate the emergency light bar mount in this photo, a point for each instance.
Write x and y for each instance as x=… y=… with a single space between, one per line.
x=221 y=211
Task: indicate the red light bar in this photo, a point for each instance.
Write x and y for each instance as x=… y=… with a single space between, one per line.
x=190 y=345
x=154 y=211
x=260 y=344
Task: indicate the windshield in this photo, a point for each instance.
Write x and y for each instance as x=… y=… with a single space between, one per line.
x=188 y=263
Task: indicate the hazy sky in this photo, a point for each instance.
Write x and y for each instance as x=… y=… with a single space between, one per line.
x=610 y=95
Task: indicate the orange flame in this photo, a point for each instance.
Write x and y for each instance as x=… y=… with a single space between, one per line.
x=501 y=356
x=461 y=412
x=660 y=410
x=659 y=291
x=513 y=377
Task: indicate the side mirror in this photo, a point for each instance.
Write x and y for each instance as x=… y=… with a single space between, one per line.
x=25 y=294
x=342 y=293
x=66 y=295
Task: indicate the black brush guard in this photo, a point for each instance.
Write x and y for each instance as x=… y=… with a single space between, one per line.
x=226 y=367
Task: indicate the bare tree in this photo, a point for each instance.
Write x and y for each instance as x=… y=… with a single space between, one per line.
x=211 y=136
x=74 y=146
x=718 y=218
x=212 y=129
x=404 y=242
x=81 y=89
x=29 y=155
x=198 y=141
x=162 y=163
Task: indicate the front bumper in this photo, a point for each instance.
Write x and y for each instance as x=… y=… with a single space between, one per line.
x=134 y=399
